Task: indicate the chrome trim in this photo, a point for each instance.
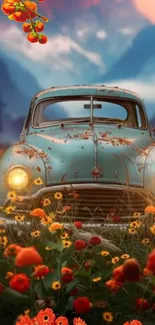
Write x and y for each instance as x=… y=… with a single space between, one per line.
x=145 y=193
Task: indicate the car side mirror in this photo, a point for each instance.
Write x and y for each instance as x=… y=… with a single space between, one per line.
x=153 y=132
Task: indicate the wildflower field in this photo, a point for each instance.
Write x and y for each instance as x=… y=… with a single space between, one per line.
x=53 y=272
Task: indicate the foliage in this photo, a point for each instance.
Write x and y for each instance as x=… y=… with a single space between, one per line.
x=47 y=262
x=27 y=13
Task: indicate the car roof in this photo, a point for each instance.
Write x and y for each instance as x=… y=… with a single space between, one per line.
x=78 y=90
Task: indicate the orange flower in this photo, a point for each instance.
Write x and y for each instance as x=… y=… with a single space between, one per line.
x=118 y=273
x=66 y=270
x=45 y=317
x=55 y=226
x=28 y=256
x=114 y=285
x=25 y=320
x=31 y=5
x=61 y=321
x=39 y=213
x=12 y=250
x=150 y=209
x=146 y=272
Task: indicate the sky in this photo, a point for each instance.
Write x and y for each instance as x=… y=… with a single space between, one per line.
x=85 y=39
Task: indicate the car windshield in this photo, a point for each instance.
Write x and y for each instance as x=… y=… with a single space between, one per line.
x=89 y=109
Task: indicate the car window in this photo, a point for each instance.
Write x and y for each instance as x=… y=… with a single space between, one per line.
x=79 y=108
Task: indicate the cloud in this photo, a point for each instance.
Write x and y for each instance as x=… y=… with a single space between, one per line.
x=127 y=31
x=55 y=53
x=101 y=34
x=143 y=89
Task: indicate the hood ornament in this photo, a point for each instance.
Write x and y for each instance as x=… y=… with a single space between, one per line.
x=96 y=172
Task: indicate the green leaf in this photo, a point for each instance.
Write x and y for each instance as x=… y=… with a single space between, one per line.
x=68 y=252
x=14 y=297
x=72 y=285
x=57 y=246
x=69 y=307
x=82 y=272
x=50 y=278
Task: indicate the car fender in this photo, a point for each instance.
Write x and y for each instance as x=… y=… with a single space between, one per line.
x=21 y=154
x=149 y=171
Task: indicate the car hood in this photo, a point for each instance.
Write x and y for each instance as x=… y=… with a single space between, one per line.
x=71 y=152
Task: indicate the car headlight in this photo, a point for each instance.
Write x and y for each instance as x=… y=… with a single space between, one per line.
x=18 y=178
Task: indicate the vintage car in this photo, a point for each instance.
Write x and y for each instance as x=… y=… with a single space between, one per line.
x=94 y=141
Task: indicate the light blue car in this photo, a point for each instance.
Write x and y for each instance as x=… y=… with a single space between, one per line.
x=92 y=140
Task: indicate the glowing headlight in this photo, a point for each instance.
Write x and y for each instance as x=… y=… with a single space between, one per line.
x=17 y=178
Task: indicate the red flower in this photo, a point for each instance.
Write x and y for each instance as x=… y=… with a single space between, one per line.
x=87 y=265
x=80 y=244
x=74 y=292
x=61 y=321
x=95 y=240
x=25 y=320
x=45 y=317
x=118 y=274
x=81 y=305
x=66 y=278
x=20 y=282
x=135 y=322
x=116 y=219
x=41 y=271
x=142 y=304
x=1 y=288
x=28 y=256
x=132 y=271
x=151 y=262
x=78 y=224
x=66 y=270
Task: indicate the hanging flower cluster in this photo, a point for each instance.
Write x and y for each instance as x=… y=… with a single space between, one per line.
x=26 y=12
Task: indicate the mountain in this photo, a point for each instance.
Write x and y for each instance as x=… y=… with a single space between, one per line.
x=136 y=57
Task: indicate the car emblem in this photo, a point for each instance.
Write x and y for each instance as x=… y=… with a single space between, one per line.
x=96 y=172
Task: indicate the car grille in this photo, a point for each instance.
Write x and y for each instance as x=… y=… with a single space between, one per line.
x=96 y=205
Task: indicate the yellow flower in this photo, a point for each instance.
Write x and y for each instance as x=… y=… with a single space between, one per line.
x=9 y=275
x=56 y=285
x=3 y=241
x=55 y=226
x=64 y=235
x=107 y=316
x=132 y=231
x=11 y=195
x=10 y=209
x=125 y=256
x=48 y=248
x=2 y=231
x=27 y=312
x=66 y=243
x=35 y=233
x=104 y=253
x=38 y=181
x=136 y=214
x=2 y=222
x=58 y=195
x=115 y=260
x=145 y=241
x=135 y=224
x=96 y=279
x=152 y=229
x=46 y=221
x=19 y=218
x=46 y=202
